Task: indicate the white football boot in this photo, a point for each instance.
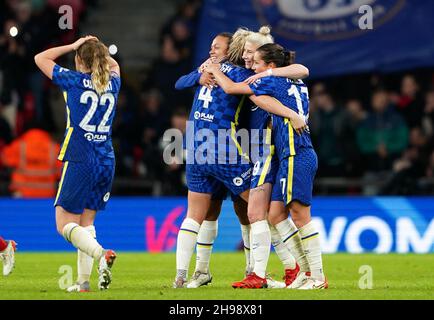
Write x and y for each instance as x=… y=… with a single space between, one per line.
x=8 y=257
x=314 y=284
x=179 y=283
x=301 y=279
x=83 y=287
x=104 y=269
x=274 y=284
x=199 y=279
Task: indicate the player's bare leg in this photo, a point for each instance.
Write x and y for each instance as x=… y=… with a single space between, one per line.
x=258 y=202
x=310 y=240
x=68 y=225
x=198 y=206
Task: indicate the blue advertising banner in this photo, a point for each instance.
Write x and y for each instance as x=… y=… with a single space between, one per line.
x=332 y=37
x=346 y=224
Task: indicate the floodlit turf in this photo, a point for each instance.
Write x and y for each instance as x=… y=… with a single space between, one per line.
x=150 y=276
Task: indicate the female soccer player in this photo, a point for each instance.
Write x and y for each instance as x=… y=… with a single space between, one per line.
x=91 y=94
x=208 y=230
x=297 y=158
x=204 y=179
x=265 y=162
x=265 y=168
x=7 y=255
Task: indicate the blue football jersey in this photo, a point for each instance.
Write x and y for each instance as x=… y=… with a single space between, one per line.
x=260 y=137
x=214 y=110
x=294 y=95
x=89 y=117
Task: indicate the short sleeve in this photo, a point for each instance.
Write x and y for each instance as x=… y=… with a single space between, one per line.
x=116 y=81
x=263 y=86
x=65 y=78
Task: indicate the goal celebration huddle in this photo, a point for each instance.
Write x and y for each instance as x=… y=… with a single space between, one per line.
x=248 y=83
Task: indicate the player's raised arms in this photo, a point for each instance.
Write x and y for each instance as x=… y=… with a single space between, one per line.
x=90 y=92
x=46 y=59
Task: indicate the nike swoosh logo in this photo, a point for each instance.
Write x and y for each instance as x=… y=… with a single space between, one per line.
x=321 y=286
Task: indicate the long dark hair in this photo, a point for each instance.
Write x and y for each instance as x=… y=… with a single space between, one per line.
x=272 y=52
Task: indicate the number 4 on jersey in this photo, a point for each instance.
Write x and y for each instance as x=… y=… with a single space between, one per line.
x=205 y=96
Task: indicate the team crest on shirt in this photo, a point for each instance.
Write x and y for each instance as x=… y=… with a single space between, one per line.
x=106 y=197
x=238 y=181
x=309 y=20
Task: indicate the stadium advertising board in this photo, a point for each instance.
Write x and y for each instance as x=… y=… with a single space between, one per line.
x=353 y=225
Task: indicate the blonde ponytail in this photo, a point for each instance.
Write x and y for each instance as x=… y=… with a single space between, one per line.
x=94 y=55
x=100 y=72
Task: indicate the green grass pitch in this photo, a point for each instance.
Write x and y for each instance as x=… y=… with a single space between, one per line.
x=149 y=276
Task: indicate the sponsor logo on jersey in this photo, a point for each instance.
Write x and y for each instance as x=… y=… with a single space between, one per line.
x=254 y=108
x=203 y=116
x=247 y=174
x=92 y=137
x=309 y=20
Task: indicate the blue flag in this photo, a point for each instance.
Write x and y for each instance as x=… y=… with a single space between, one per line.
x=332 y=37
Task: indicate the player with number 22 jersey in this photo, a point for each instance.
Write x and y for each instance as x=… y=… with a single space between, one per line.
x=90 y=94
x=87 y=149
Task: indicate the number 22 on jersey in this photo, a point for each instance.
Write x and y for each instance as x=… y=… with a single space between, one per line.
x=95 y=100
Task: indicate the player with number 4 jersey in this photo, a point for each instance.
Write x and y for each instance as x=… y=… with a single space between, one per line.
x=90 y=95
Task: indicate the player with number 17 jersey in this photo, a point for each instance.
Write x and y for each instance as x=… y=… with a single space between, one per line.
x=87 y=149
x=298 y=162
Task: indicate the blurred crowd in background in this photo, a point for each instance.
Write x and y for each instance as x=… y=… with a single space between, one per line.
x=373 y=133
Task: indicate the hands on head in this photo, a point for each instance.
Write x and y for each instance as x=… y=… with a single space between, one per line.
x=82 y=40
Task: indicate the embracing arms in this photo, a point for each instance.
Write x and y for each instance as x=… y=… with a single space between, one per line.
x=293 y=71
x=265 y=102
